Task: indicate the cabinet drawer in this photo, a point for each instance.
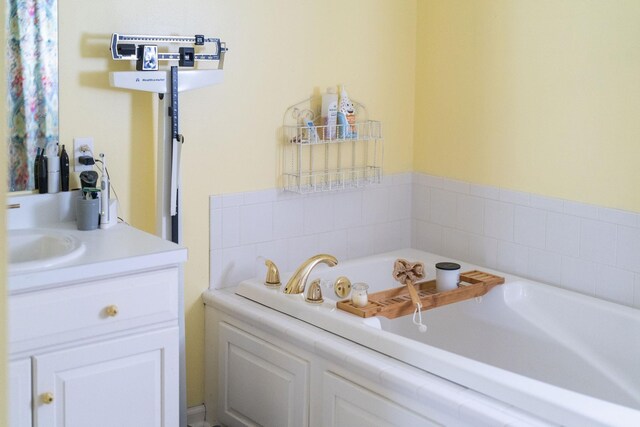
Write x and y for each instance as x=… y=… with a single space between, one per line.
x=96 y=307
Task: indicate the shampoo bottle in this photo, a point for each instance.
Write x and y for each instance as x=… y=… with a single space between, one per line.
x=329 y=113
x=64 y=170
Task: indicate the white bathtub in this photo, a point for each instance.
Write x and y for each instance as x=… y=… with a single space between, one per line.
x=571 y=358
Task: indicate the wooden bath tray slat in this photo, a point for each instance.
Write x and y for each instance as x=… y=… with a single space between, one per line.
x=396 y=302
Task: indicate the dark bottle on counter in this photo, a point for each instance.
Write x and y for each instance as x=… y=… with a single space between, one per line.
x=43 y=182
x=36 y=165
x=64 y=169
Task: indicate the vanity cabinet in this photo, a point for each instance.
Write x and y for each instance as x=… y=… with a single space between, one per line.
x=120 y=382
x=20 y=393
x=100 y=353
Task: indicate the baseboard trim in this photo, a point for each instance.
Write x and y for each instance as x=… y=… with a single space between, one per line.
x=196 y=416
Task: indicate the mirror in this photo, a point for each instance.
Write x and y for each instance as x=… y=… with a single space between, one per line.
x=32 y=79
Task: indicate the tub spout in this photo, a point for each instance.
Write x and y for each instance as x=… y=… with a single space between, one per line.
x=298 y=281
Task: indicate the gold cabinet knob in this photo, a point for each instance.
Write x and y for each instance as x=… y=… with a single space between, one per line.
x=112 y=310
x=47 y=398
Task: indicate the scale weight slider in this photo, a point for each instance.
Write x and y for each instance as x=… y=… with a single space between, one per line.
x=187 y=56
x=147 y=58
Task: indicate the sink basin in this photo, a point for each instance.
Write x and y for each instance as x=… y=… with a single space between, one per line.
x=30 y=250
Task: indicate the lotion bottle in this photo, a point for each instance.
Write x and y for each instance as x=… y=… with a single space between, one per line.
x=329 y=113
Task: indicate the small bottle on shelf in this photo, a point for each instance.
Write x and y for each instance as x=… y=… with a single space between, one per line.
x=348 y=112
x=329 y=114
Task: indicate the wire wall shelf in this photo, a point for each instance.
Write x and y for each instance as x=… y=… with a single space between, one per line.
x=317 y=158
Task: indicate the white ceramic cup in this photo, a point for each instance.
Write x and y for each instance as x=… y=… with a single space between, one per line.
x=447 y=276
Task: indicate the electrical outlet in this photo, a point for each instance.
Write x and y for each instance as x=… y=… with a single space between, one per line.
x=82 y=147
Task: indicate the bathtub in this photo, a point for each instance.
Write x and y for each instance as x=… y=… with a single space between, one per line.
x=571 y=358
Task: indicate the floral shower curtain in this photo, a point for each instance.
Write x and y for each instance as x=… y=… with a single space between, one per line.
x=32 y=70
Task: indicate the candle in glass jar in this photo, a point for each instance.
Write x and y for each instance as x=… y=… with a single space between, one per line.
x=359 y=296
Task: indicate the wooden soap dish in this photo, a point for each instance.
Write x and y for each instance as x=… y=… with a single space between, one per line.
x=396 y=302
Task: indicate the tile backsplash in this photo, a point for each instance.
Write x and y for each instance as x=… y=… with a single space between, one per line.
x=247 y=228
x=585 y=248
x=589 y=249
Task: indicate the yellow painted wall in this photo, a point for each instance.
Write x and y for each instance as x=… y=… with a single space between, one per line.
x=534 y=95
x=281 y=51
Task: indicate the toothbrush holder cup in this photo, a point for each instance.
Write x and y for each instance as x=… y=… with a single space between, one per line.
x=87 y=213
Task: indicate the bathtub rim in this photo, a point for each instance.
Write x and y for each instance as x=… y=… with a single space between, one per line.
x=422 y=387
x=526 y=393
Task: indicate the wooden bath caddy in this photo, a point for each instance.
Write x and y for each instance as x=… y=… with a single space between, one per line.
x=396 y=302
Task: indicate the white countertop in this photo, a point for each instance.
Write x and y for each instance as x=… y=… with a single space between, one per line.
x=120 y=249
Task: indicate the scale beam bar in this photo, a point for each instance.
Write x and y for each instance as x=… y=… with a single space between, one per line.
x=125 y=47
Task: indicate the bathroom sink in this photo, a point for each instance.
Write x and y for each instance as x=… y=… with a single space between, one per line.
x=36 y=249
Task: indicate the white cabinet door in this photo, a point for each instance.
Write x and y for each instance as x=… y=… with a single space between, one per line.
x=127 y=382
x=20 y=393
x=346 y=404
x=260 y=384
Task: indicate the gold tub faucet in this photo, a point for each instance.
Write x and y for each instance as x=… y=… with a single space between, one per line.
x=298 y=281
x=273 y=275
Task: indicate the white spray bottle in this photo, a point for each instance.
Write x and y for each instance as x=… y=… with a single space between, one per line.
x=105 y=187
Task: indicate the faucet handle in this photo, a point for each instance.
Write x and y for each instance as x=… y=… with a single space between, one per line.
x=273 y=275
x=342 y=286
x=314 y=294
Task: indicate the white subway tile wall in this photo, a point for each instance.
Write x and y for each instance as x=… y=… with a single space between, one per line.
x=247 y=228
x=585 y=248
x=529 y=228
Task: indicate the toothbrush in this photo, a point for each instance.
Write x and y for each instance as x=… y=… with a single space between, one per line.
x=104 y=193
x=313 y=132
